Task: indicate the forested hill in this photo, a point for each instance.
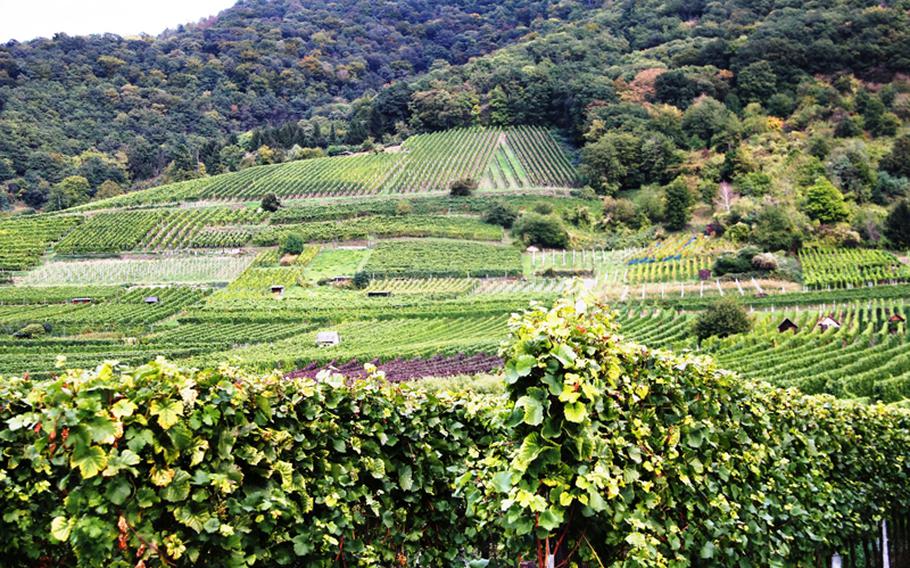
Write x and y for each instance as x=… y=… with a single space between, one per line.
x=272 y=80
x=145 y=102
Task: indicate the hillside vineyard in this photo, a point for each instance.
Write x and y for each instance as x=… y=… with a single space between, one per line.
x=415 y=284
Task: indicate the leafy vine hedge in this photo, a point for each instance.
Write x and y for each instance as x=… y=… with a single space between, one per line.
x=598 y=453
x=164 y=466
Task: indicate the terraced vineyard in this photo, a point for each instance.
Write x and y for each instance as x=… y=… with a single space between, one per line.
x=180 y=269
x=500 y=159
x=23 y=241
x=848 y=268
x=205 y=283
x=867 y=355
x=433 y=258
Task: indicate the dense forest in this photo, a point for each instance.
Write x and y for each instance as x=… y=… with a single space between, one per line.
x=776 y=114
x=123 y=109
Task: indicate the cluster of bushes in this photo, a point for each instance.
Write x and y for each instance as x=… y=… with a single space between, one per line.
x=597 y=452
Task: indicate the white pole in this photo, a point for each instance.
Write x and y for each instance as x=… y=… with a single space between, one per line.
x=886 y=557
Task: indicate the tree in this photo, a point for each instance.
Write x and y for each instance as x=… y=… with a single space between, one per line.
x=292 y=243
x=501 y=214
x=230 y=157
x=462 y=187
x=675 y=88
x=361 y=280
x=723 y=318
x=6 y=170
x=439 y=109
x=108 y=189
x=897 y=224
x=849 y=169
x=143 y=159
x=70 y=192
x=707 y=122
x=541 y=230
x=778 y=228
x=678 y=205
x=825 y=203
x=757 y=82
x=897 y=163
x=270 y=203
x=888 y=187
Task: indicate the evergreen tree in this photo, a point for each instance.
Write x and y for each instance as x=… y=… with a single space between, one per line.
x=897 y=225
x=679 y=205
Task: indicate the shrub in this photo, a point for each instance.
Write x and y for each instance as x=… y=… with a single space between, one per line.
x=361 y=280
x=579 y=216
x=403 y=208
x=462 y=187
x=753 y=184
x=825 y=203
x=541 y=230
x=501 y=214
x=738 y=263
x=723 y=318
x=31 y=331
x=543 y=208
x=765 y=262
x=270 y=203
x=587 y=193
x=620 y=211
x=292 y=243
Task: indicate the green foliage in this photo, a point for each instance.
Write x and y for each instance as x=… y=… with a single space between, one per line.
x=723 y=318
x=898 y=161
x=501 y=214
x=620 y=160
x=757 y=82
x=31 y=331
x=738 y=263
x=68 y=193
x=428 y=258
x=708 y=123
x=292 y=243
x=678 y=205
x=897 y=224
x=541 y=230
x=462 y=187
x=361 y=280
x=753 y=184
x=161 y=465
x=270 y=203
x=850 y=170
x=778 y=228
x=678 y=483
x=825 y=203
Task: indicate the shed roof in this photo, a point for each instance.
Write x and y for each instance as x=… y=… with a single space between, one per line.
x=330 y=337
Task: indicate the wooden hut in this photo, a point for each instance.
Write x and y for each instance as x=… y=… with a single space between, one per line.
x=277 y=291
x=787 y=325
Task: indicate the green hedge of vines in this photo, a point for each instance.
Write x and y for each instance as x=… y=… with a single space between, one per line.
x=598 y=453
x=621 y=456
x=217 y=468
